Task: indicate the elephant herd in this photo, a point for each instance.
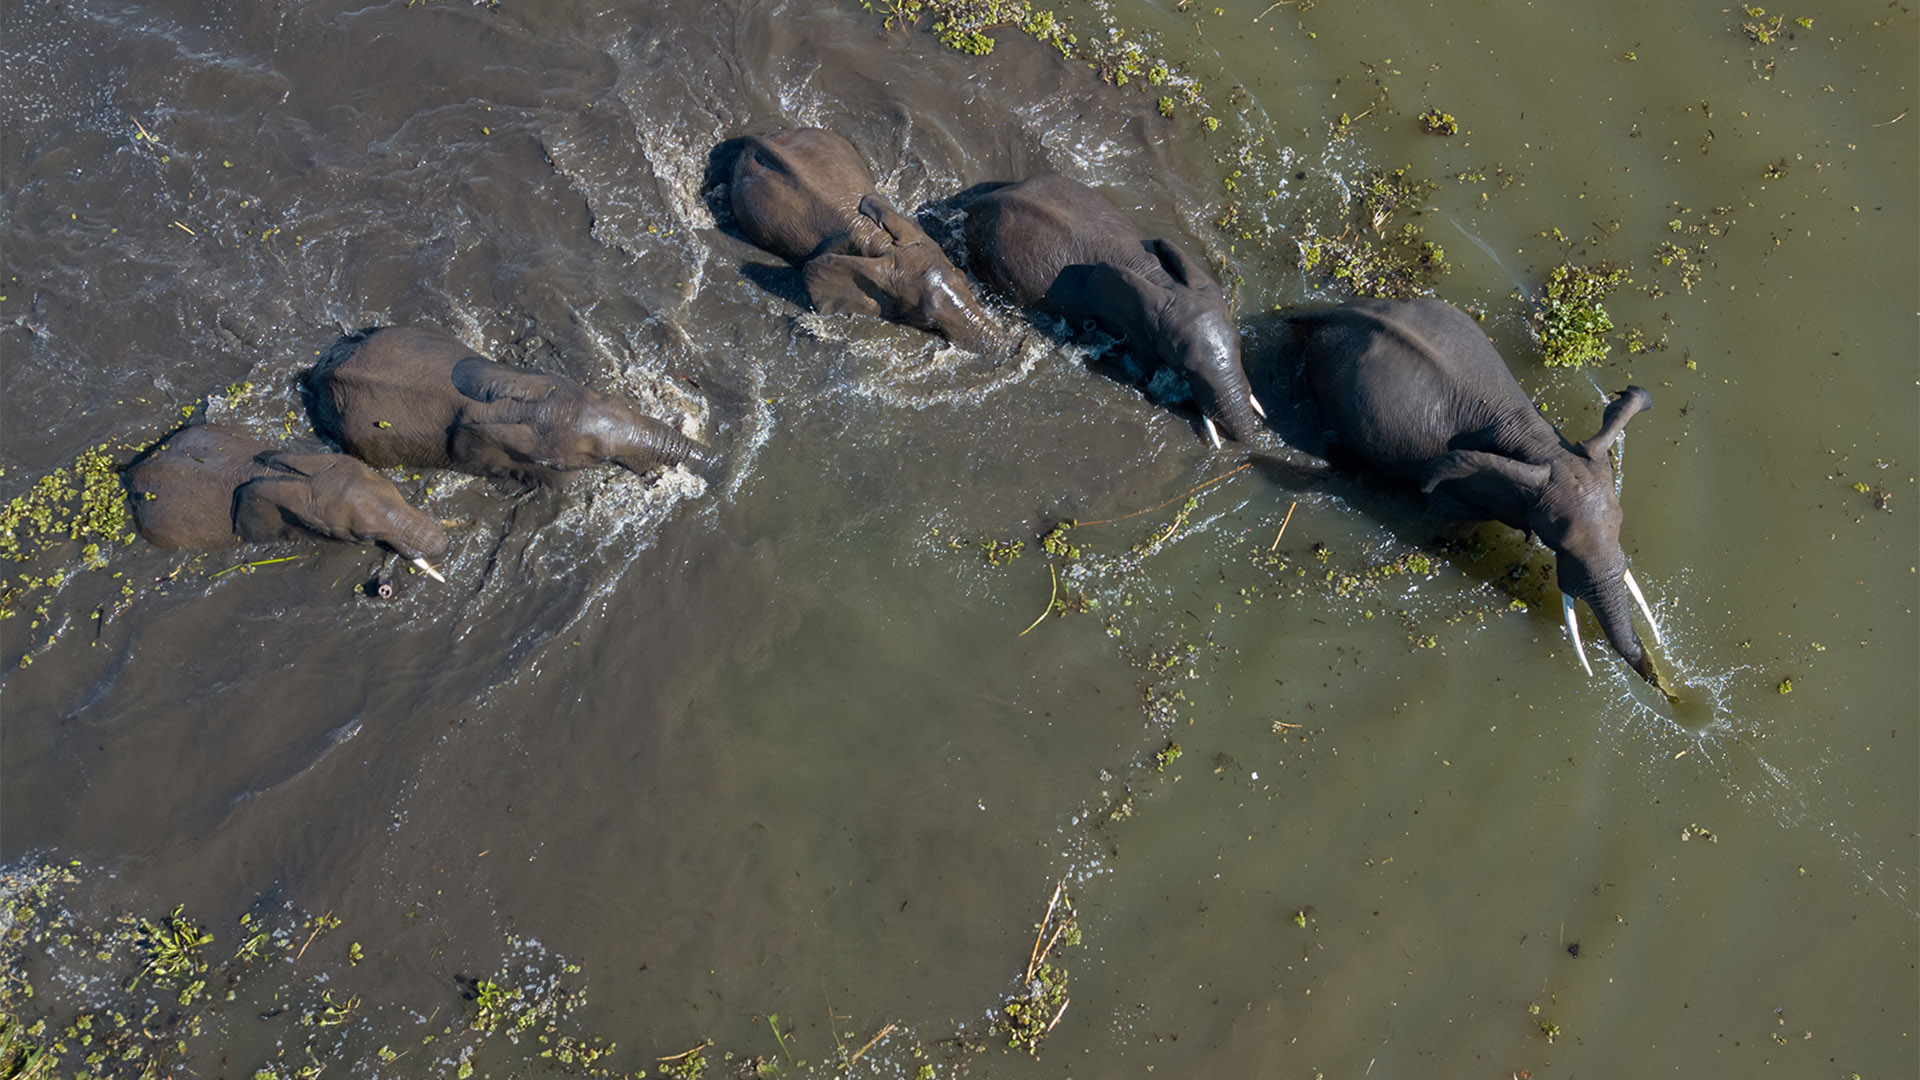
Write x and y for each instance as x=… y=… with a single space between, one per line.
x=1410 y=389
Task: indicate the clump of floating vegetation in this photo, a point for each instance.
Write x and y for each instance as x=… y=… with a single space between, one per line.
x=1115 y=54
x=1435 y=122
x=82 y=504
x=135 y=998
x=1764 y=30
x=1369 y=255
x=1040 y=1000
x=1571 y=322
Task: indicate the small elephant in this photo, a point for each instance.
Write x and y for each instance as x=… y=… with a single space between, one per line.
x=208 y=486
x=417 y=396
x=1414 y=389
x=806 y=196
x=1051 y=243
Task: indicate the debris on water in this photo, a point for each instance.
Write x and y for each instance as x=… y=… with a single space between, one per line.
x=1033 y=1010
x=1435 y=122
x=1570 y=321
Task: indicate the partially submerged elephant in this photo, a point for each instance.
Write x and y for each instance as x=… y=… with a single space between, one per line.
x=1051 y=243
x=208 y=486
x=806 y=196
x=1414 y=389
x=417 y=396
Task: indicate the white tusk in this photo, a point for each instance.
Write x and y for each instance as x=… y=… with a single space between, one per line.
x=1641 y=599
x=1255 y=402
x=1573 y=631
x=426 y=568
x=1213 y=433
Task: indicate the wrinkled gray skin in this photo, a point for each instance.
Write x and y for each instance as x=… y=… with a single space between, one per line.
x=208 y=486
x=1051 y=243
x=417 y=396
x=1413 y=388
x=806 y=196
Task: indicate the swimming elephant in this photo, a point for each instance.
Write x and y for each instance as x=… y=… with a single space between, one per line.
x=1414 y=389
x=1051 y=243
x=806 y=196
x=208 y=486
x=417 y=396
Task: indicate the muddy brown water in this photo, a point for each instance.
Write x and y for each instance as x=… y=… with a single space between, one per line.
x=774 y=746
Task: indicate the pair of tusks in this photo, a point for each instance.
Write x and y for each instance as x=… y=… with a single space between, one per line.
x=1573 y=626
x=426 y=568
x=1213 y=433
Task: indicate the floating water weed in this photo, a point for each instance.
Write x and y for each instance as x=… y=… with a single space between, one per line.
x=1571 y=323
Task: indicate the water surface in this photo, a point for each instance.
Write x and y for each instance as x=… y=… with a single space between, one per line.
x=776 y=745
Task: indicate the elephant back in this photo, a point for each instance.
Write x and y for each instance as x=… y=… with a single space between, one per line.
x=797 y=193
x=1400 y=382
x=1021 y=236
x=182 y=490
x=387 y=395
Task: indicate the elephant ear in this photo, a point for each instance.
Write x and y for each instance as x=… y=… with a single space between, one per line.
x=1179 y=266
x=1483 y=485
x=900 y=228
x=485 y=380
x=1120 y=288
x=489 y=442
x=273 y=508
x=847 y=284
x=301 y=465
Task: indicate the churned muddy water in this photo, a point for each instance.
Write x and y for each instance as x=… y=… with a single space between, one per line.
x=767 y=765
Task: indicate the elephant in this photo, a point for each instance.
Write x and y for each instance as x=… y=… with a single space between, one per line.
x=1052 y=243
x=806 y=196
x=210 y=485
x=1414 y=389
x=417 y=396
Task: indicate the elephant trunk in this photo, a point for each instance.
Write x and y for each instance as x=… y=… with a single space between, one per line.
x=419 y=536
x=1211 y=359
x=969 y=328
x=1612 y=605
x=650 y=444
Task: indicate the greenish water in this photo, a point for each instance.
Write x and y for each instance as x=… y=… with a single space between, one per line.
x=776 y=746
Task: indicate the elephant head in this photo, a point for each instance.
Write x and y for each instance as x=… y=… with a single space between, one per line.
x=209 y=485
x=897 y=272
x=1569 y=502
x=530 y=423
x=337 y=497
x=1188 y=324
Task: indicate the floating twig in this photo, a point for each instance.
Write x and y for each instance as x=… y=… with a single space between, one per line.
x=1064 y=1002
x=1895 y=120
x=184 y=229
x=1033 y=960
x=1283 y=525
x=1190 y=491
x=688 y=1053
x=1051 y=597
x=317 y=927
x=251 y=565
x=884 y=1032
x=1275 y=4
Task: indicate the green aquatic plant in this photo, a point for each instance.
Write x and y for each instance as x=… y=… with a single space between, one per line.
x=1113 y=53
x=1040 y=1000
x=1435 y=122
x=174 y=951
x=1001 y=552
x=691 y=1065
x=1166 y=757
x=1370 y=257
x=1570 y=320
